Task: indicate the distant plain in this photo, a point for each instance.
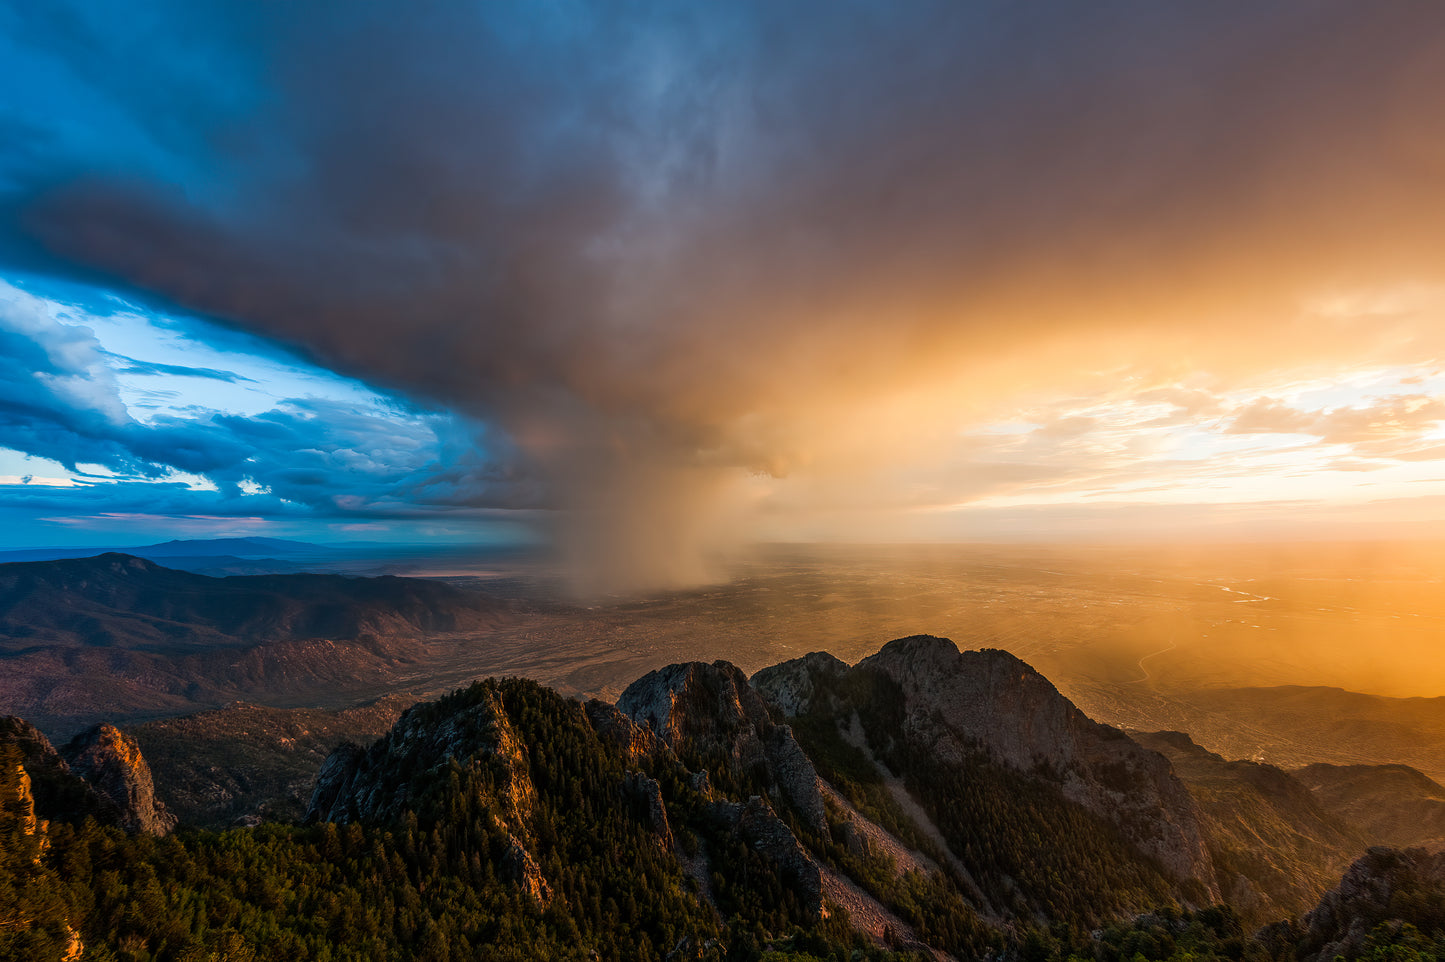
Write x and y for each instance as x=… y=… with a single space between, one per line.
x=1254 y=649
x=1290 y=653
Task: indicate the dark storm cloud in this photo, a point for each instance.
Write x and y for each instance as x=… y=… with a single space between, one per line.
x=653 y=240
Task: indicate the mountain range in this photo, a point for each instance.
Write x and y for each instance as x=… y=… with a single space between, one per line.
x=116 y=636
x=924 y=802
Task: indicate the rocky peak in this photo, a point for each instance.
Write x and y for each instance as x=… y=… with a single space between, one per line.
x=694 y=703
x=378 y=784
x=635 y=741
x=924 y=656
x=711 y=709
x=791 y=686
x=989 y=695
x=111 y=762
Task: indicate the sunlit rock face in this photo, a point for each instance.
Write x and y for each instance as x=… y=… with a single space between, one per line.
x=705 y=707
x=636 y=742
x=17 y=800
x=111 y=762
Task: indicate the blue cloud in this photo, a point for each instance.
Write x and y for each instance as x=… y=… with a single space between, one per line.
x=130 y=365
x=60 y=399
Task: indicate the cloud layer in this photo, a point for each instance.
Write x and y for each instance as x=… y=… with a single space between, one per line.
x=62 y=399
x=665 y=248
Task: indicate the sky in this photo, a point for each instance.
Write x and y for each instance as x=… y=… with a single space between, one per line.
x=649 y=280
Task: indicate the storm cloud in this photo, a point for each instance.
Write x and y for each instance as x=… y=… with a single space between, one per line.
x=665 y=246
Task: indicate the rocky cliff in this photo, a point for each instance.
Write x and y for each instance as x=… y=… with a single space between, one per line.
x=111 y=762
x=379 y=784
x=709 y=713
x=35 y=912
x=101 y=774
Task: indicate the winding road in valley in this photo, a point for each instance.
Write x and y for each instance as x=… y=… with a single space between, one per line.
x=1144 y=672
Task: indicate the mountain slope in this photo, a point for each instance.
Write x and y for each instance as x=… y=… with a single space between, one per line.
x=250 y=762
x=1276 y=850
x=975 y=759
x=1390 y=904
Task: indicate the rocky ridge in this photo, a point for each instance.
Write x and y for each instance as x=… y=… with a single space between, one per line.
x=380 y=783
x=911 y=789
x=743 y=774
x=955 y=703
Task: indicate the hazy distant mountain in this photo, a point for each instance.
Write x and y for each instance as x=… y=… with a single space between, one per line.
x=119 y=601
x=217 y=557
x=240 y=547
x=1393 y=804
x=1292 y=726
x=206 y=547
x=120 y=637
